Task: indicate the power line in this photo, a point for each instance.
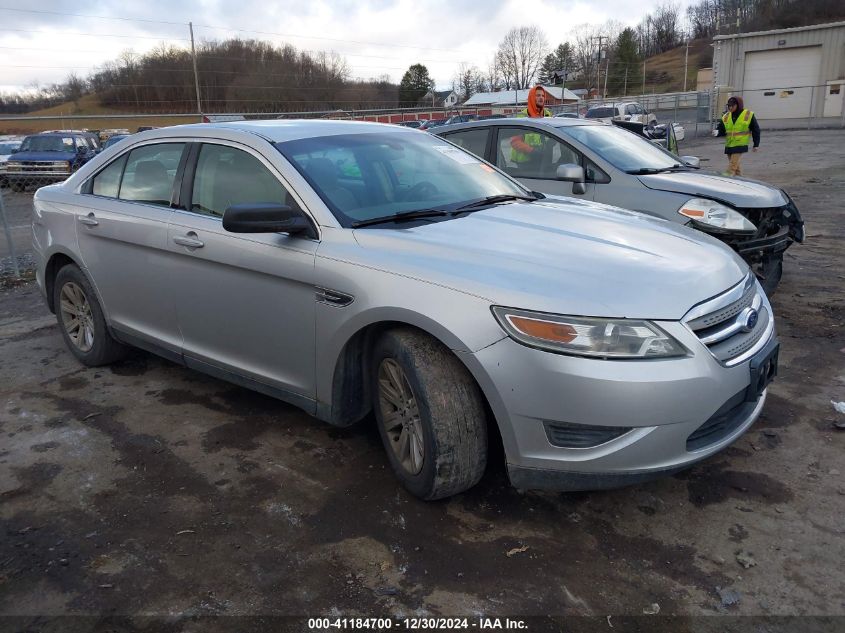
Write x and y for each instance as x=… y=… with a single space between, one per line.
x=96 y=17
x=228 y=28
x=138 y=37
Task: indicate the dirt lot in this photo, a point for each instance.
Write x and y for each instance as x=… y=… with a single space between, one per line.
x=146 y=488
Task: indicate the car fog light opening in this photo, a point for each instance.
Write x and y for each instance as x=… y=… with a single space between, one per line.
x=588 y=336
x=565 y=435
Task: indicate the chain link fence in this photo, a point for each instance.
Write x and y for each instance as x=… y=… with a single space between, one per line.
x=80 y=137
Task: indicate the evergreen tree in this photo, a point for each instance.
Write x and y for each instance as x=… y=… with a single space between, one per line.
x=416 y=82
x=561 y=59
x=625 y=64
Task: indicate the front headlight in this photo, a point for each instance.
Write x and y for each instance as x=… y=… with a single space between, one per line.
x=715 y=214
x=588 y=336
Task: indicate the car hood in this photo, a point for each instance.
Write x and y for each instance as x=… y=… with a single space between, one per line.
x=43 y=156
x=738 y=192
x=563 y=257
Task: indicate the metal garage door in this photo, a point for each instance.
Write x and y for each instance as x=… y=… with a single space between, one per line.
x=778 y=84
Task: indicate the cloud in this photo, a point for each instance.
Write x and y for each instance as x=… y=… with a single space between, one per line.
x=377 y=37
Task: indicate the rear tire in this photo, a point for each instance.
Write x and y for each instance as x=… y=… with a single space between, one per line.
x=81 y=320
x=430 y=414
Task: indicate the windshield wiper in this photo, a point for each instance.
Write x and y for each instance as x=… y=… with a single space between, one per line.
x=483 y=202
x=399 y=217
x=655 y=170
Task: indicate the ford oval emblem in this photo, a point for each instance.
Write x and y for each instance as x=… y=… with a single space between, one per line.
x=751 y=317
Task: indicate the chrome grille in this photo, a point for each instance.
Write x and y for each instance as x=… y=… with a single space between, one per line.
x=721 y=323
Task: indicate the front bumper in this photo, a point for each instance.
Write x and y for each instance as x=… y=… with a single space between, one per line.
x=660 y=403
x=777 y=229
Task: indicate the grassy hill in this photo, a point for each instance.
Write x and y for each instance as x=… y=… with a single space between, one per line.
x=665 y=72
x=87 y=105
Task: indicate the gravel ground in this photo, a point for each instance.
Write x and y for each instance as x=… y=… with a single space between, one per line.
x=146 y=489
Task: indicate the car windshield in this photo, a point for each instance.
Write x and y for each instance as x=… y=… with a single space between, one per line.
x=6 y=148
x=600 y=113
x=366 y=176
x=47 y=144
x=622 y=149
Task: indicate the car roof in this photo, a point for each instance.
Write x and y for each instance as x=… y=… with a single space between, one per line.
x=545 y=122
x=278 y=130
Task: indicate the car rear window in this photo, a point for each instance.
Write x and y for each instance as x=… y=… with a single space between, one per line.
x=600 y=113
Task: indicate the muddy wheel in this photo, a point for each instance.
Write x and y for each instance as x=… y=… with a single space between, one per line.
x=430 y=414
x=81 y=320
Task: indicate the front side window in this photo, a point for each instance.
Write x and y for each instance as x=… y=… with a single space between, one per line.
x=150 y=172
x=226 y=176
x=474 y=141
x=526 y=153
x=392 y=173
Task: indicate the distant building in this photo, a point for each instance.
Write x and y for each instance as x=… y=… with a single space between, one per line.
x=555 y=95
x=784 y=73
x=441 y=98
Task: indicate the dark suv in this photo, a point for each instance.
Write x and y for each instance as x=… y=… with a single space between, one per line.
x=50 y=157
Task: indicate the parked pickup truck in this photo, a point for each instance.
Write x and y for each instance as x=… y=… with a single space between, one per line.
x=50 y=157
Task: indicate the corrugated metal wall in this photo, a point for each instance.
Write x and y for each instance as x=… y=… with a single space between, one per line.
x=729 y=55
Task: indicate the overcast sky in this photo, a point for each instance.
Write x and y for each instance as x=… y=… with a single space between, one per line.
x=376 y=36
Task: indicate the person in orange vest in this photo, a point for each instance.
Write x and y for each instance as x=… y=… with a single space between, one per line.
x=522 y=147
x=739 y=126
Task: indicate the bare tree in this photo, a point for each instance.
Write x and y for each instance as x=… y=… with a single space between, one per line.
x=520 y=55
x=493 y=76
x=467 y=81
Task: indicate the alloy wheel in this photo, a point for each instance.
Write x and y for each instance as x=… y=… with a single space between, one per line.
x=77 y=316
x=400 y=416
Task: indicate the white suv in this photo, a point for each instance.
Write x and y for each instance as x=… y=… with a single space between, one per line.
x=622 y=111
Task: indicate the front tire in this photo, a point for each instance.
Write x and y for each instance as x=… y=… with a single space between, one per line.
x=769 y=271
x=81 y=319
x=430 y=414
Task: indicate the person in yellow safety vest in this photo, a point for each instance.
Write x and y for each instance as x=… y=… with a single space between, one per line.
x=522 y=147
x=739 y=126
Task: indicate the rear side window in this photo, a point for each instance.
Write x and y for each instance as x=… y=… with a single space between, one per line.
x=150 y=172
x=107 y=182
x=474 y=141
x=226 y=176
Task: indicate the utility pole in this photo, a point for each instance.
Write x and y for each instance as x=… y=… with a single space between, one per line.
x=644 y=76
x=196 y=75
x=598 y=62
x=606 y=73
x=625 y=89
x=686 y=61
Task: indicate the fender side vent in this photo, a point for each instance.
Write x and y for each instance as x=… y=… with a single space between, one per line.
x=334 y=298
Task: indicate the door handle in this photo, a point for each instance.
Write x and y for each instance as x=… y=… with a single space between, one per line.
x=190 y=240
x=88 y=220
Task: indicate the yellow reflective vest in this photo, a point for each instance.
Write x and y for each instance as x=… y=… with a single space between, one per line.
x=738 y=133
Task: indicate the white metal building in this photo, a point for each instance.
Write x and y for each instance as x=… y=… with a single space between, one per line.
x=786 y=73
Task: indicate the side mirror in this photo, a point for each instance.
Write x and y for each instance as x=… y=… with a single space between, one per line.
x=264 y=217
x=570 y=173
x=82 y=149
x=574 y=174
x=691 y=161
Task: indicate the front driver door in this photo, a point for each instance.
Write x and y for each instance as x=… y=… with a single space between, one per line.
x=537 y=169
x=245 y=303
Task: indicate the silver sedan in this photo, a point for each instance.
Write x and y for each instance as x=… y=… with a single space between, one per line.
x=605 y=163
x=355 y=269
